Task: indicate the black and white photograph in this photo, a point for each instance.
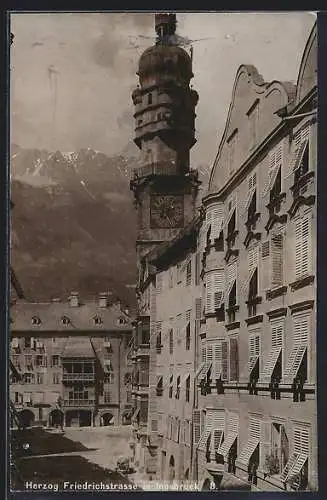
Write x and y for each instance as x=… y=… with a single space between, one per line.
x=163 y=213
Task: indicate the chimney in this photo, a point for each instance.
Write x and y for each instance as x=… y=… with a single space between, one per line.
x=103 y=299
x=73 y=299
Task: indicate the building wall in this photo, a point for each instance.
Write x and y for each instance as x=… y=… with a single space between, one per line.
x=281 y=301
x=44 y=390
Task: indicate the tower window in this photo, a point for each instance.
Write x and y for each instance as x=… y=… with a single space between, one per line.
x=150 y=99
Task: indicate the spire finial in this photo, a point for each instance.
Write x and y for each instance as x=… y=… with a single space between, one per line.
x=165 y=26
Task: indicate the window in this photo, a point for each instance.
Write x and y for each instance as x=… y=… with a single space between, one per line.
x=300 y=158
x=275 y=163
x=189 y=273
x=159 y=389
x=253 y=116
x=15 y=360
x=231 y=434
x=198 y=425
x=28 y=378
x=295 y=471
x=253 y=260
x=29 y=361
x=197 y=268
x=303 y=247
x=278 y=458
x=273 y=365
x=178 y=387
x=171 y=381
x=39 y=378
x=214 y=290
x=231 y=291
x=251 y=200
x=41 y=360
x=149 y=99
x=219 y=361
x=65 y=320
x=254 y=356
x=158 y=337
x=233 y=360
x=171 y=341
x=215 y=223
x=297 y=360
x=56 y=378
x=28 y=342
x=97 y=320
x=272 y=253
x=250 y=453
x=188 y=336
x=36 y=320
x=187 y=389
x=55 y=360
x=106 y=397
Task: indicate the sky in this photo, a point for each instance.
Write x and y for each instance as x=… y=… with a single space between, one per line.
x=72 y=74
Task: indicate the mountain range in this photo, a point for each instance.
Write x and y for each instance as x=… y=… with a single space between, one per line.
x=73 y=225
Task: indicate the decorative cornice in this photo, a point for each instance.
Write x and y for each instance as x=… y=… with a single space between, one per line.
x=302 y=282
x=277 y=313
x=301 y=306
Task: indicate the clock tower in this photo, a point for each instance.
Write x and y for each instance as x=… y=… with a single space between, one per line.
x=165 y=188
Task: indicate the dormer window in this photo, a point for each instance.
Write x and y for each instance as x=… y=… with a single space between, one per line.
x=122 y=321
x=65 y=320
x=36 y=320
x=97 y=320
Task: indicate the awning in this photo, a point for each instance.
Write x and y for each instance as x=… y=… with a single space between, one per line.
x=227 y=444
x=293 y=466
x=270 y=364
x=248 y=451
x=294 y=362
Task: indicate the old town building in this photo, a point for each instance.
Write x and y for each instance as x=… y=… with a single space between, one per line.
x=229 y=301
x=72 y=361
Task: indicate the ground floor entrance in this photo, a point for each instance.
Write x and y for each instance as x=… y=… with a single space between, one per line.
x=78 y=418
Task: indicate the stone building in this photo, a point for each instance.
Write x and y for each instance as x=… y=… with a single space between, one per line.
x=252 y=305
x=72 y=358
x=257 y=404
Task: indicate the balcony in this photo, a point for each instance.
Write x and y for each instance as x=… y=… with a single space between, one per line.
x=78 y=377
x=79 y=402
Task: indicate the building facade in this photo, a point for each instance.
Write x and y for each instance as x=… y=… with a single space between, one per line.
x=72 y=361
x=251 y=308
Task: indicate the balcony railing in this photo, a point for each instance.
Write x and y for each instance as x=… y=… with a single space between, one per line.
x=79 y=402
x=83 y=377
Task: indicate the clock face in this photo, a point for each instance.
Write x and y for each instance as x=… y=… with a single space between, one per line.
x=167 y=211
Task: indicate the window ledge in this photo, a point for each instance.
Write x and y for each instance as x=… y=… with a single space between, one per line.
x=301 y=306
x=254 y=319
x=301 y=200
x=302 y=181
x=251 y=235
x=302 y=282
x=275 y=201
x=276 y=292
x=277 y=313
x=232 y=326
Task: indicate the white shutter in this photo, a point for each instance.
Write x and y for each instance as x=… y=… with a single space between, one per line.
x=209 y=354
x=265 y=442
x=232 y=422
x=253 y=258
x=254 y=428
x=15 y=343
x=275 y=162
x=209 y=293
x=217 y=221
x=301 y=440
x=218 y=361
x=277 y=332
x=301 y=329
x=302 y=247
x=197 y=416
x=203 y=354
x=277 y=259
x=215 y=419
x=266 y=267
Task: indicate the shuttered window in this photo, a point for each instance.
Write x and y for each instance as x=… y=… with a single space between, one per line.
x=252 y=184
x=254 y=352
x=275 y=162
x=299 y=456
x=277 y=339
x=253 y=441
x=300 y=144
x=231 y=278
x=272 y=268
x=233 y=360
x=231 y=424
x=215 y=217
x=303 y=247
x=214 y=290
x=198 y=422
x=301 y=331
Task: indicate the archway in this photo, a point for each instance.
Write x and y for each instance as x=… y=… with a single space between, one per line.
x=56 y=418
x=26 y=418
x=107 y=419
x=171 y=468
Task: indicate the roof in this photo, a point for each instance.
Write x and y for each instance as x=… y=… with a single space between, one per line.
x=79 y=318
x=78 y=347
